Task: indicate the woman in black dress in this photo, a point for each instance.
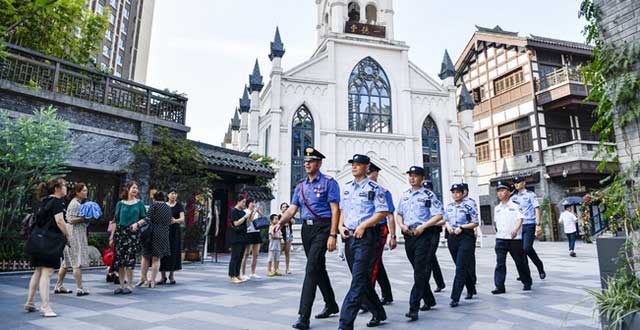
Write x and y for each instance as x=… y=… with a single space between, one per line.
x=50 y=216
x=173 y=262
x=157 y=247
x=238 y=236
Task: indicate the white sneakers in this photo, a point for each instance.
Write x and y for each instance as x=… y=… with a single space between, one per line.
x=254 y=276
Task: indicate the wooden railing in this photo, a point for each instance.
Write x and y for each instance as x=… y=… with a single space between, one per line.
x=42 y=72
x=559 y=76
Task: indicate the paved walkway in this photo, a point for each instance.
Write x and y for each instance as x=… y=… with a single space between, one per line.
x=204 y=299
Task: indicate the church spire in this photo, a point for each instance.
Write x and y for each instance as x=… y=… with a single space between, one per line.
x=465 y=102
x=255 y=79
x=235 y=122
x=277 y=47
x=446 y=68
x=245 y=102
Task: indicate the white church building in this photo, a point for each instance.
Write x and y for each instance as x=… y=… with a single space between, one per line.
x=357 y=93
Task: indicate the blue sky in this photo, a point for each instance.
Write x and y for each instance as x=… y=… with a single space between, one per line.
x=206 y=48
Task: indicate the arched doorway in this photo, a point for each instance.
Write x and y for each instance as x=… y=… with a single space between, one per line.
x=301 y=138
x=431 y=155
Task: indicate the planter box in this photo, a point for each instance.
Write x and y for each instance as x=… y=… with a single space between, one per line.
x=631 y=322
x=192 y=256
x=608 y=248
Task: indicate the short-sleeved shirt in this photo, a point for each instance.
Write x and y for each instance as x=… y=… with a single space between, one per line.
x=457 y=215
x=569 y=221
x=528 y=203
x=238 y=234
x=470 y=201
x=126 y=214
x=176 y=210
x=319 y=193
x=392 y=208
x=360 y=201
x=47 y=214
x=506 y=216
x=417 y=207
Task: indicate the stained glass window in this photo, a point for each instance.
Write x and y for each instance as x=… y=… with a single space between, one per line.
x=369 y=98
x=431 y=155
x=301 y=138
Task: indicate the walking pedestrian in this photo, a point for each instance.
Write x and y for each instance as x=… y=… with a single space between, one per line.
x=531 y=225
x=76 y=255
x=508 y=219
x=275 y=246
x=363 y=206
x=254 y=241
x=173 y=262
x=287 y=234
x=157 y=246
x=318 y=198
x=435 y=266
x=125 y=238
x=51 y=218
x=570 y=221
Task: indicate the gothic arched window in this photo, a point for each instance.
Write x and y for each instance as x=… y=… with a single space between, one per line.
x=301 y=138
x=369 y=98
x=431 y=155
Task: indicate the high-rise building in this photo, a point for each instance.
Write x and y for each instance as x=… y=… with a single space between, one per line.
x=125 y=50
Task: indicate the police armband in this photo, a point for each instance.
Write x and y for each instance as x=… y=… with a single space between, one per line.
x=371 y=195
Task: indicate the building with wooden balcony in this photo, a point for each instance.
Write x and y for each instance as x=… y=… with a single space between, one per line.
x=530 y=117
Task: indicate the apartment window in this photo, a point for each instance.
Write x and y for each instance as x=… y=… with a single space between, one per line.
x=107 y=34
x=484 y=135
x=113 y=3
x=482 y=152
x=99 y=9
x=123 y=28
x=515 y=137
x=478 y=94
x=119 y=60
x=125 y=13
x=121 y=43
x=508 y=81
x=558 y=127
x=112 y=19
x=106 y=51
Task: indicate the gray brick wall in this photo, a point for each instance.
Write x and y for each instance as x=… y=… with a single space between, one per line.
x=620 y=23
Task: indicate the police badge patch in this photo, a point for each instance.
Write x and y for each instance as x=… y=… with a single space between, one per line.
x=381 y=199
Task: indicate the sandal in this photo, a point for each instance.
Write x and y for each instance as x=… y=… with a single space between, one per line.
x=126 y=291
x=141 y=283
x=172 y=282
x=30 y=308
x=81 y=292
x=162 y=282
x=61 y=290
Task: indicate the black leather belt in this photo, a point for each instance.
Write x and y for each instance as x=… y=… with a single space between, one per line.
x=315 y=222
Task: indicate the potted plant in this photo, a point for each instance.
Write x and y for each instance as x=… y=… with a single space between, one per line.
x=193 y=238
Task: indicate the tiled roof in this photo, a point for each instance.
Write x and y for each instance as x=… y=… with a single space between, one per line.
x=233 y=161
x=497 y=29
x=558 y=42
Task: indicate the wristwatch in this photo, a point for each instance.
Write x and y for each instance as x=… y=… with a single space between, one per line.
x=393 y=236
x=334 y=235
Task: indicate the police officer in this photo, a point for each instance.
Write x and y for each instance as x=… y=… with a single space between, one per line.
x=318 y=198
x=508 y=219
x=419 y=215
x=472 y=279
x=531 y=225
x=435 y=266
x=460 y=219
x=386 y=227
x=363 y=206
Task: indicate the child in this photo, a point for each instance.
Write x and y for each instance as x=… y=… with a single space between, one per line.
x=569 y=220
x=275 y=236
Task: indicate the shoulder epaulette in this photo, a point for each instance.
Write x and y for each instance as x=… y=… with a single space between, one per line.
x=408 y=190
x=373 y=184
x=426 y=191
x=467 y=206
x=328 y=177
x=350 y=182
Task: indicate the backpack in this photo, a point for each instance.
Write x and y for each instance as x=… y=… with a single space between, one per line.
x=26 y=226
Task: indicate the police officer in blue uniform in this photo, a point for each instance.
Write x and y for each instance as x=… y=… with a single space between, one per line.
x=419 y=216
x=386 y=228
x=531 y=225
x=363 y=206
x=435 y=266
x=460 y=219
x=318 y=198
x=472 y=279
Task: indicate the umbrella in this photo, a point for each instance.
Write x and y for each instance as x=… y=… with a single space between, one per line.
x=572 y=200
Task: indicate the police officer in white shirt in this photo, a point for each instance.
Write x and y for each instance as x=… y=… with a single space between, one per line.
x=508 y=218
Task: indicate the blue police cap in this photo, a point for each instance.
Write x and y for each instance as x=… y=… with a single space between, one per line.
x=502 y=185
x=465 y=186
x=416 y=170
x=360 y=159
x=427 y=184
x=456 y=186
x=373 y=168
x=312 y=154
x=518 y=178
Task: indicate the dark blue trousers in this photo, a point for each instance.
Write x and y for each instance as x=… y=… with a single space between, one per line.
x=462 y=248
x=514 y=248
x=361 y=257
x=421 y=251
x=528 y=237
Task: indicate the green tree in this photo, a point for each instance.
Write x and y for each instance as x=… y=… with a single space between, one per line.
x=172 y=162
x=32 y=150
x=59 y=28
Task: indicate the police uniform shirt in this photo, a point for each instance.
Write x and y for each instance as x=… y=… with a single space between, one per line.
x=528 y=203
x=319 y=193
x=392 y=208
x=470 y=201
x=506 y=216
x=457 y=215
x=417 y=207
x=360 y=201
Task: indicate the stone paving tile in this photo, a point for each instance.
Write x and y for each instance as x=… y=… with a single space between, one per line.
x=204 y=299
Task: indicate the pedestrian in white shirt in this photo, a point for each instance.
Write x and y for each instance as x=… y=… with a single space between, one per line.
x=569 y=220
x=508 y=218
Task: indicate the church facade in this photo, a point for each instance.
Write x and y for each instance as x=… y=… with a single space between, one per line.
x=357 y=93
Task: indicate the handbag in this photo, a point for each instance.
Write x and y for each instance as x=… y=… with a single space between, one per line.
x=107 y=256
x=261 y=222
x=146 y=232
x=46 y=243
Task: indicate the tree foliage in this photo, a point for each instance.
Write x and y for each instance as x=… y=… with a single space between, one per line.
x=172 y=162
x=59 y=28
x=32 y=150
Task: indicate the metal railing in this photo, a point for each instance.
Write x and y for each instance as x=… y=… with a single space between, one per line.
x=559 y=76
x=42 y=72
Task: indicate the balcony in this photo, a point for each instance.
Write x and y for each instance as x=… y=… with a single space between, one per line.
x=561 y=89
x=573 y=159
x=40 y=72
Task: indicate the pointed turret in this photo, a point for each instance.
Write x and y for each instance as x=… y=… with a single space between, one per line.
x=277 y=47
x=255 y=79
x=235 y=122
x=245 y=102
x=465 y=102
x=446 y=68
